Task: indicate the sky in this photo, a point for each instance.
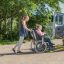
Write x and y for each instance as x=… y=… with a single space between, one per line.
x=62 y=7
x=60 y=4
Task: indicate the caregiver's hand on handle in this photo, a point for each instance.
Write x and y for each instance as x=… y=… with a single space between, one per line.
x=30 y=30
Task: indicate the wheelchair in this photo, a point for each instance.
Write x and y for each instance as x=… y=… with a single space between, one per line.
x=36 y=44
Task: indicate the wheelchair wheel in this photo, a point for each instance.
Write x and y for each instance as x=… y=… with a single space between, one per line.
x=40 y=47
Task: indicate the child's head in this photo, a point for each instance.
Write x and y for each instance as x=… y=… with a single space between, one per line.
x=25 y=18
x=38 y=26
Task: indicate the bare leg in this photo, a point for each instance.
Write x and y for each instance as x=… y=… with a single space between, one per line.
x=19 y=43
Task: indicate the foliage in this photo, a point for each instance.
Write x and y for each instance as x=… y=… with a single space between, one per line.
x=11 y=10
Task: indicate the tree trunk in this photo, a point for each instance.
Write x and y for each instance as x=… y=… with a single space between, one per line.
x=12 y=26
x=0 y=25
x=6 y=22
x=12 y=22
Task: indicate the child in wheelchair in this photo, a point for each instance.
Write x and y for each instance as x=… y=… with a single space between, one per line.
x=40 y=34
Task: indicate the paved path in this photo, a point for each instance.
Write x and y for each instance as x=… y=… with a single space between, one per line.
x=28 y=57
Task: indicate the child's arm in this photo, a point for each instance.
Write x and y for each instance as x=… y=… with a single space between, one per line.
x=40 y=32
x=43 y=33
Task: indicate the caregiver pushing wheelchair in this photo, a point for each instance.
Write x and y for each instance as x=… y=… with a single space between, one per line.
x=22 y=33
x=35 y=33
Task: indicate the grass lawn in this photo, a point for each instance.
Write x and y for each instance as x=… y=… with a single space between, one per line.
x=5 y=42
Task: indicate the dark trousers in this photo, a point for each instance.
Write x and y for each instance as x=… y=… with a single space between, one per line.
x=48 y=40
x=49 y=44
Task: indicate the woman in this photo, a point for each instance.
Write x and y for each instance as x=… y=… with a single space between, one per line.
x=23 y=33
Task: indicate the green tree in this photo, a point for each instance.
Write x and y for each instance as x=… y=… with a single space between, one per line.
x=11 y=10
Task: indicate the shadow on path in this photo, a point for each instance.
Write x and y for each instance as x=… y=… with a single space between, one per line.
x=23 y=53
x=30 y=52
